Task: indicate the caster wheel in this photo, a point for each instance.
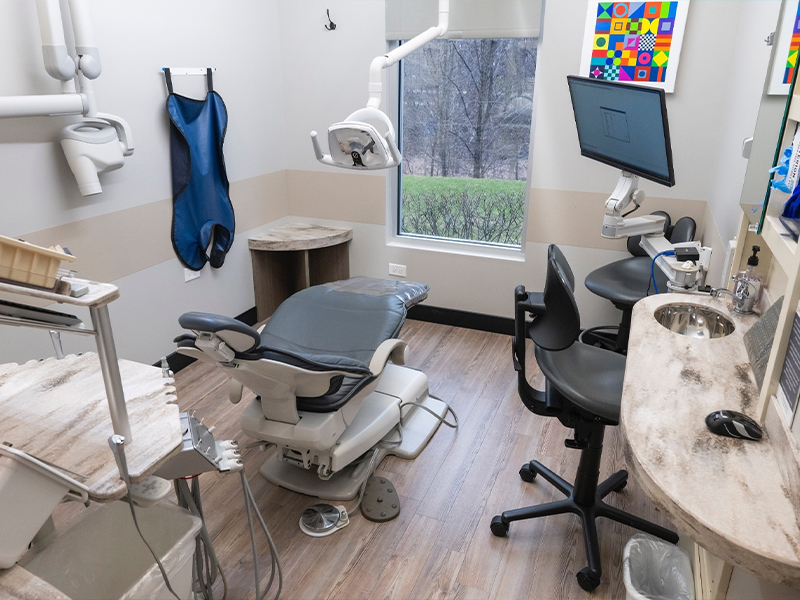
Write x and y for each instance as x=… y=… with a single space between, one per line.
x=587 y=580
x=526 y=473
x=621 y=486
x=499 y=528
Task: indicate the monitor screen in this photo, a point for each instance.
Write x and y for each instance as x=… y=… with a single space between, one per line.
x=624 y=126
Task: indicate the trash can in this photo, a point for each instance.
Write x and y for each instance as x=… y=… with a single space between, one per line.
x=656 y=570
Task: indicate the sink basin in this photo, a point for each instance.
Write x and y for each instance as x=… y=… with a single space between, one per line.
x=694 y=321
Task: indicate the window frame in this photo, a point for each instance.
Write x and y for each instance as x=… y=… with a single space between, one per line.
x=395 y=238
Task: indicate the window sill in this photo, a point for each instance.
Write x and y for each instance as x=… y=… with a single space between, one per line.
x=456 y=247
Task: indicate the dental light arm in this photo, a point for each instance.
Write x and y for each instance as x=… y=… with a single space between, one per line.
x=356 y=144
x=387 y=60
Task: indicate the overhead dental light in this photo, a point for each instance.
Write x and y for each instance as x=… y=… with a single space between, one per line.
x=357 y=143
x=99 y=143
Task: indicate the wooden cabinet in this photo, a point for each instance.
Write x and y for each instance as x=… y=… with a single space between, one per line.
x=293 y=257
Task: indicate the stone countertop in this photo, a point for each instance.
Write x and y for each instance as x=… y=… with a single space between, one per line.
x=299 y=236
x=56 y=410
x=727 y=494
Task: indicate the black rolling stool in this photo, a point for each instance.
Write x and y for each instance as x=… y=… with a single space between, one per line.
x=583 y=390
x=627 y=281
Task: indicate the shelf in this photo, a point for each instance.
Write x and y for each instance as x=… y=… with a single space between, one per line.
x=99 y=294
x=780 y=243
x=55 y=411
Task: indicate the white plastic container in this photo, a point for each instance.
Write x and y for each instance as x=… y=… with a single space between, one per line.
x=27 y=499
x=103 y=557
x=29 y=491
x=653 y=569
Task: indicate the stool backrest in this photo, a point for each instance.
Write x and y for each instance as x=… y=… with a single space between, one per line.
x=683 y=231
x=560 y=324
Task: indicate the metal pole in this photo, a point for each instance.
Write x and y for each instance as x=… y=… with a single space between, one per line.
x=111 y=377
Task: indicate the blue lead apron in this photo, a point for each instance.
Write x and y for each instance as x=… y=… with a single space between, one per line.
x=202 y=213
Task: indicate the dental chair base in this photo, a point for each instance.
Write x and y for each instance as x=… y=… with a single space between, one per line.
x=374 y=424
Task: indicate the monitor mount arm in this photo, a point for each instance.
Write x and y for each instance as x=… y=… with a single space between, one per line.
x=683 y=276
x=615 y=226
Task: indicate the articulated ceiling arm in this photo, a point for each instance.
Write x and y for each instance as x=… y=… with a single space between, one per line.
x=387 y=60
x=57 y=61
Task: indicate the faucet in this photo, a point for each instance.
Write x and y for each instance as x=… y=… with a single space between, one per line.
x=743 y=296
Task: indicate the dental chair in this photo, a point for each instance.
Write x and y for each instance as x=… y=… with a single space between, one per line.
x=583 y=390
x=625 y=282
x=326 y=391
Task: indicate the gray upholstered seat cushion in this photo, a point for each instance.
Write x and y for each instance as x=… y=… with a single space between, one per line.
x=625 y=281
x=332 y=329
x=589 y=377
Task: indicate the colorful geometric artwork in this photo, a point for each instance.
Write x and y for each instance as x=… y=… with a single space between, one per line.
x=791 y=59
x=786 y=49
x=635 y=41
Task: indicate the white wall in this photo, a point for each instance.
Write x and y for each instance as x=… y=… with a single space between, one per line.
x=325 y=73
x=282 y=75
x=136 y=38
x=746 y=73
x=325 y=79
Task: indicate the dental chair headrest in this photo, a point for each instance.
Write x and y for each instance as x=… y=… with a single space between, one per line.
x=238 y=336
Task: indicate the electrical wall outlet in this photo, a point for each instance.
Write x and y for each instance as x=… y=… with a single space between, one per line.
x=397 y=270
x=189 y=275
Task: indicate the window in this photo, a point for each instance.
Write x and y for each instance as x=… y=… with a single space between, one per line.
x=466 y=107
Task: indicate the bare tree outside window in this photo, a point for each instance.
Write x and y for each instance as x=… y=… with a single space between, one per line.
x=467 y=108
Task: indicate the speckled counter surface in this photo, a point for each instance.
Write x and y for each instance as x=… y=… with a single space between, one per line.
x=299 y=236
x=57 y=411
x=728 y=495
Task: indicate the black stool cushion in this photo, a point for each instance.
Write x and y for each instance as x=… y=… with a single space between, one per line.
x=625 y=281
x=589 y=377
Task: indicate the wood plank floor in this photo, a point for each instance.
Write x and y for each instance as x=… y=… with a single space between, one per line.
x=440 y=546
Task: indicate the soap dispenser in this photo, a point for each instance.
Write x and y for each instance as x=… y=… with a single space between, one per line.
x=747 y=284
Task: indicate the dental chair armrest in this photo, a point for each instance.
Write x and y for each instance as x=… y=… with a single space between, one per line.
x=185 y=339
x=395 y=349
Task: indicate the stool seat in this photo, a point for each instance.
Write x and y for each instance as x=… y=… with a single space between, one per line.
x=589 y=376
x=625 y=282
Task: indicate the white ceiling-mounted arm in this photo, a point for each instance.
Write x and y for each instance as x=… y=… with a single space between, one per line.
x=57 y=61
x=85 y=45
x=380 y=63
x=357 y=144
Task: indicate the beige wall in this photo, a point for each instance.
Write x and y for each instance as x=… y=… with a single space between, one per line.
x=117 y=244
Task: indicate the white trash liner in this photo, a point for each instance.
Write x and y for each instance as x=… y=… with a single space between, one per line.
x=656 y=570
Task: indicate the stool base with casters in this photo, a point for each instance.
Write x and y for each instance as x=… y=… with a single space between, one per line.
x=584 y=499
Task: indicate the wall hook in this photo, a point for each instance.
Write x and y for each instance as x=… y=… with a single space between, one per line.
x=332 y=25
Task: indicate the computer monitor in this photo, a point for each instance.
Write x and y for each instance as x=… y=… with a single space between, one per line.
x=624 y=126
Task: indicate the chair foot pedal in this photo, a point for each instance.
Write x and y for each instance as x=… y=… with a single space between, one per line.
x=380 y=502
